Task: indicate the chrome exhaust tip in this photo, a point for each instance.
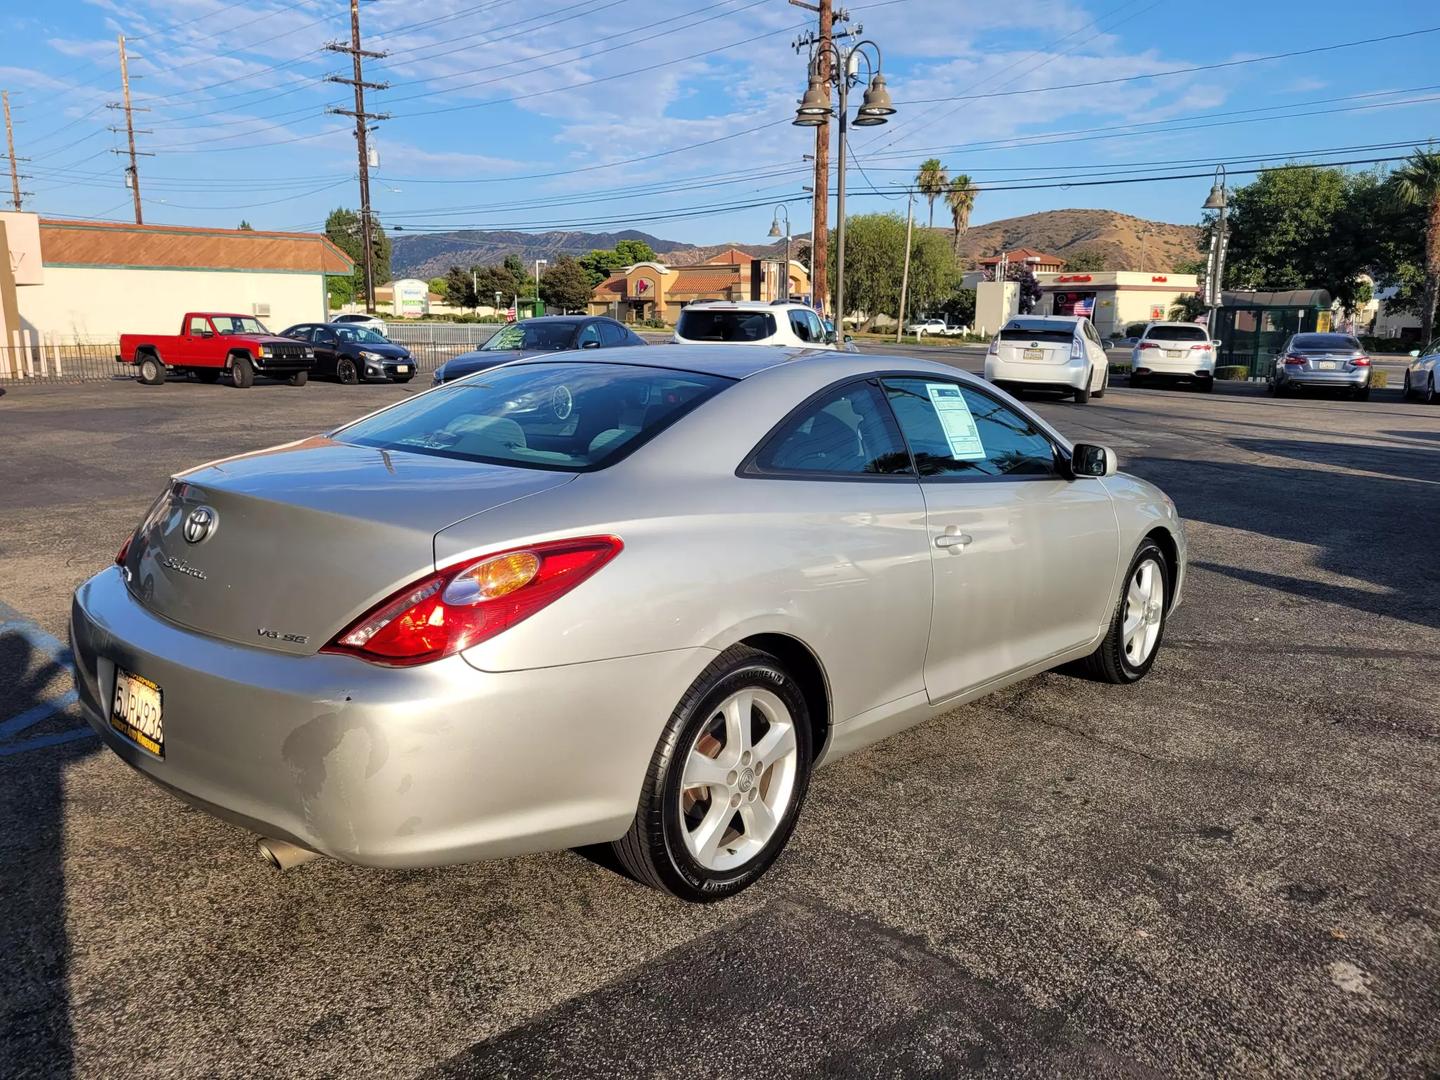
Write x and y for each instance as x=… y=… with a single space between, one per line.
x=283 y=855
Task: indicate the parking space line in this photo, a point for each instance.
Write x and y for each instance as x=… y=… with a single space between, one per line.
x=13 y=622
x=42 y=741
x=32 y=716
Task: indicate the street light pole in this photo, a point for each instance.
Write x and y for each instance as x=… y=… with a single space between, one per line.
x=1215 y=263
x=782 y=209
x=905 y=273
x=539 y=263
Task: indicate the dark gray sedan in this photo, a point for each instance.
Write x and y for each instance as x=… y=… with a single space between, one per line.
x=1321 y=362
x=546 y=334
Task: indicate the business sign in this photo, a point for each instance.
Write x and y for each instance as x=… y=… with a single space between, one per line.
x=412 y=298
x=644 y=287
x=22 y=238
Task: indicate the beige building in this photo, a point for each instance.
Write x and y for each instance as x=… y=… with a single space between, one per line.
x=651 y=290
x=92 y=281
x=1118 y=297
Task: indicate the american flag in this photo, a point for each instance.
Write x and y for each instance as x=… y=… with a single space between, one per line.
x=1085 y=307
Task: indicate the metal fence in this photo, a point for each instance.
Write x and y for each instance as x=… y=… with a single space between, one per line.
x=61 y=363
x=431 y=344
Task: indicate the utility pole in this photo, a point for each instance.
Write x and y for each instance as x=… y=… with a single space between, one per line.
x=820 y=227
x=362 y=129
x=905 y=274
x=132 y=173
x=15 y=191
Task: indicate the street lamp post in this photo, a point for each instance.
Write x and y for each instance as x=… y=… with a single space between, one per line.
x=814 y=109
x=1215 y=263
x=782 y=210
x=539 y=263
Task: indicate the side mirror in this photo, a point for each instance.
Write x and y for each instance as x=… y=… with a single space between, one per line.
x=1091 y=459
x=1414 y=352
x=830 y=337
x=1107 y=344
x=848 y=339
x=590 y=345
x=1217 y=343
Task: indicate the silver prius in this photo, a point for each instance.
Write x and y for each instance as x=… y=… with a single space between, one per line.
x=632 y=600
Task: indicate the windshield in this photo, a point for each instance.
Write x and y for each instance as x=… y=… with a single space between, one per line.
x=707 y=325
x=537 y=336
x=565 y=416
x=1325 y=343
x=360 y=335
x=1038 y=330
x=1179 y=333
x=237 y=324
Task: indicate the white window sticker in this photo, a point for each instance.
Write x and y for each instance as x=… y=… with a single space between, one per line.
x=955 y=419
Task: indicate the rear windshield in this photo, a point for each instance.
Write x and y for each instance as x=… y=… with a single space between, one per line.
x=705 y=325
x=533 y=336
x=1035 y=330
x=1322 y=342
x=565 y=416
x=1178 y=333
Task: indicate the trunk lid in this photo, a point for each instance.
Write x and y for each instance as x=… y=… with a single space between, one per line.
x=1035 y=351
x=301 y=539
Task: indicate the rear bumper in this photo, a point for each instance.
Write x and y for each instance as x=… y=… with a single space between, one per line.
x=1193 y=366
x=382 y=766
x=1036 y=373
x=1337 y=380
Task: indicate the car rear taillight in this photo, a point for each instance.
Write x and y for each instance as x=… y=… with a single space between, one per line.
x=995 y=346
x=1361 y=361
x=124 y=550
x=471 y=602
x=1200 y=348
x=1294 y=361
x=1148 y=345
x=1077 y=349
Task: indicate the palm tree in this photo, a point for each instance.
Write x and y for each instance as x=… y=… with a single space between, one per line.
x=1417 y=182
x=931 y=180
x=960 y=198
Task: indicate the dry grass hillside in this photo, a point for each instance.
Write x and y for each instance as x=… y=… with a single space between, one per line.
x=1118 y=238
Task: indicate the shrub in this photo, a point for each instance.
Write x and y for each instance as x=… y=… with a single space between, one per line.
x=1232 y=372
x=1379 y=379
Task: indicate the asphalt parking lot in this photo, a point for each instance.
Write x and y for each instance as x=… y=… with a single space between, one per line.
x=1232 y=867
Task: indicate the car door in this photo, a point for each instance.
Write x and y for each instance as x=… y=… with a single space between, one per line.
x=612 y=334
x=1024 y=559
x=196 y=344
x=327 y=349
x=589 y=337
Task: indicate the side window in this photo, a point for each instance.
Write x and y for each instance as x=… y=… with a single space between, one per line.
x=954 y=430
x=817 y=330
x=849 y=431
x=326 y=336
x=589 y=335
x=799 y=324
x=611 y=334
x=199 y=326
x=301 y=333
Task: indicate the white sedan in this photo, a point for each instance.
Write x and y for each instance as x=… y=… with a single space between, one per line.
x=1422 y=377
x=1049 y=352
x=926 y=326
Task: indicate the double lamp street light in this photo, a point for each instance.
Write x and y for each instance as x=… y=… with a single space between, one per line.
x=814 y=110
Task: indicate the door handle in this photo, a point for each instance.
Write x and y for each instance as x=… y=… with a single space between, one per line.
x=950 y=539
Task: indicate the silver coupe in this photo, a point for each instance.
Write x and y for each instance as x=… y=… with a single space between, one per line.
x=629 y=599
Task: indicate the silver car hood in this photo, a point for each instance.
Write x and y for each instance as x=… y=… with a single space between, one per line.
x=306 y=537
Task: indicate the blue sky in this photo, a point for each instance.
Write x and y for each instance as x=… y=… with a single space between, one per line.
x=510 y=114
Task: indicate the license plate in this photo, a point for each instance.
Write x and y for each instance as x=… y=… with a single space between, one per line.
x=1173 y=354
x=1326 y=365
x=403 y=369
x=135 y=712
x=1034 y=354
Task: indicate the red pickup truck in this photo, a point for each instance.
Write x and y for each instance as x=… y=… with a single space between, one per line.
x=210 y=343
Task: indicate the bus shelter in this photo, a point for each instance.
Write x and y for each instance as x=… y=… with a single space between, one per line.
x=1253 y=326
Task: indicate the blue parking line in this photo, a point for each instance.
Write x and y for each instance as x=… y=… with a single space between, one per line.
x=13 y=622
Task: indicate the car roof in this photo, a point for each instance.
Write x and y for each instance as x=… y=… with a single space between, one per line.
x=570 y=319
x=1170 y=325
x=744 y=305
x=741 y=361
x=1067 y=320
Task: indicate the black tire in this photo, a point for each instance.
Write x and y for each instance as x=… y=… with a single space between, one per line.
x=1110 y=662
x=1431 y=397
x=345 y=371
x=1206 y=386
x=242 y=372
x=1104 y=384
x=151 y=372
x=1082 y=396
x=208 y=376
x=654 y=851
x=406 y=379
x=1363 y=394
x=299 y=378
x=1136 y=380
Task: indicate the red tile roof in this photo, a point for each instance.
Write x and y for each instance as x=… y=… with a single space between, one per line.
x=1023 y=253
x=691 y=279
x=102 y=243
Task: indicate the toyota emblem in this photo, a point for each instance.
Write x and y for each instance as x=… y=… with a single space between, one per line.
x=199 y=524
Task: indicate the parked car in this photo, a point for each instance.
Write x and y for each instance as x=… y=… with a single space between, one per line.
x=369 y=322
x=630 y=599
x=1321 y=362
x=353 y=353
x=954 y=330
x=752 y=322
x=920 y=327
x=211 y=344
x=847 y=344
x=1049 y=352
x=1422 y=379
x=546 y=334
x=1173 y=351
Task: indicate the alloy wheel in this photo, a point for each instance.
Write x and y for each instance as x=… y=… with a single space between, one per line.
x=738 y=779
x=1144 y=610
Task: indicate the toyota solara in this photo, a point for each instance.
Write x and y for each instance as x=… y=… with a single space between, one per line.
x=631 y=599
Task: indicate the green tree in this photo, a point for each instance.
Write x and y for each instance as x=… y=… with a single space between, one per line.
x=874 y=249
x=490 y=280
x=437 y=285
x=458 y=288
x=960 y=198
x=565 y=285
x=1188 y=266
x=631 y=252
x=599 y=263
x=1186 y=309
x=1417 y=184
x=245 y=226
x=930 y=181
x=1084 y=260
x=959 y=310
x=342 y=227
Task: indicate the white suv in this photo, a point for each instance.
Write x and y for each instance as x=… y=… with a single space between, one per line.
x=1174 y=350
x=752 y=322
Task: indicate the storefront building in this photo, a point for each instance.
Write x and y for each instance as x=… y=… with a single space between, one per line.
x=651 y=290
x=1114 y=299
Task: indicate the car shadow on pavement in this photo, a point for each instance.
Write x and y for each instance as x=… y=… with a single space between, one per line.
x=35 y=1030
x=1357 y=525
